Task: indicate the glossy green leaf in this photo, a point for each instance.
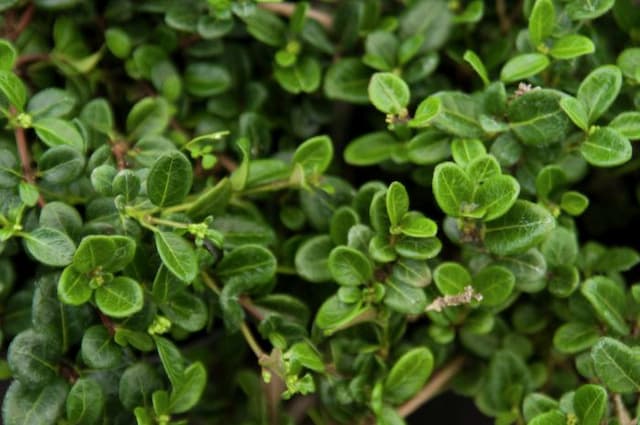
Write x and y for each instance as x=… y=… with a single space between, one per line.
x=204 y=80
x=348 y=80
x=627 y=124
x=571 y=46
x=599 y=89
x=85 y=402
x=121 y=297
x=464 y=151
x=542 y=20
x=476 y=63
x=177 y=255
x=349 y=267
x=608 y=301
x=50 y=246
x=312 y=258
x=495 y=284
x=12 y=91
x=148 y=117
x=408 y=374
x=388 y=93
x=334 y=315
x=590 y=404
x=574 y=203
x=616 y=365
x=110 y=253
x=416 y=225
x=605 y=147
x=537 y=119
x=404 y=297
x=397 y=201
x=452 y=189
x=523 y=66
x=186 y=310
x=451 y=278
x=303 y=76
x=8 y=55
x=579 y=10
x=574 y=337
x=57 y=132
x=137 y=383
x=523 y=226
x=169 y=179
x=186 y=394
x=314 y=155
x=369 y=149
x=496 y=196
x=74 y=287
x=576 y=111
x=248 y=265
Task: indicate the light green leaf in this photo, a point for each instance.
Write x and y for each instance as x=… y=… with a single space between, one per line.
x=186 y=310
x=110 y=253
x=452 y=189
x=476 y=63
x=599 y=89
x=334 y=315
x=522 y=227
x=416 y=225
x=177 y=254
x=579 y=10
x=12 y=91
x=426 y=111
x=58 y=132
x=495 y=284
x=523 y=66
x=397 y=201
x=627 y=124
x=537 y=119
x=314 y=155
x=169 y=179
x=496 y=196
x=73 y=287
x=605 y=147
x=312 y=257
x=571 y=46
x=574 y=203
x=50 y=246
x=370 y=149
x=451 y=278
x=464 y=151
x=576 y=111
x=609 y=302
x=304 y=76
x=408 y=374
x=187 y=393
x=349 y=267
x=590 y=404
x=121 y=297
x=542 y=20
x=388 y=93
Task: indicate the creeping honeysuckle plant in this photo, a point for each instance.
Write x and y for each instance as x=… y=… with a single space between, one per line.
x=322 y=212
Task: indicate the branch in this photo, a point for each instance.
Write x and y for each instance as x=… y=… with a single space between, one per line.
x=439 y=380
x=286 y=9
x=25 y=160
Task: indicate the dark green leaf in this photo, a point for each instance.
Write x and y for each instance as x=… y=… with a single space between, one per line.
x=609 y=302
x=169 y=179
x=98 y=349
x=495 y=284
x=349 y=267
x=574 y=337
x=50 y=246
x=451 y=278
x=57 y=132
x=121 y=297
x=177 y=255
x=85 y=402
x=248 y=265
x=312 y=259
x=27 y=406
x=33 y=358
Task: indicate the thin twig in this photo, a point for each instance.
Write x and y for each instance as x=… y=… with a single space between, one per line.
x=287 y=9
x=24 y=21
x=435 y=385
x=25 y=160
x=227 y=162
x=23 y=60
x=465 y=297
x=623 y=414
x=246 y=303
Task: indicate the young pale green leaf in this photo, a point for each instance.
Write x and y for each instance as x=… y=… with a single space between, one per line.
x=50 y=246
x=312 y=257
x=574 y=337
x=408 y=374
x=33 y=358
x=605 y=147
x=426 y=111
x=574 y=203
x=609 y=302
x=189 y=389
x=627 y=124
x=314 y=155
x=169 y=179
x=8 y=55
x=57 y=132
x=177 y=254
x=590 y=404
x=495 y=284
x=110 y=253
x=334 y=315
x=451 y=278
x=466 y=150
x=121 y=297
x=43 y=405
x=74 y=287
x=525 y=225
x=302 y=354
x=12 y=91
x=476 y=63
x=98 y=350
x=542 y=20
x=370 y=149
x=349 y=267
x=580 y=10
x=523 y=66
x=388 y=93
x=576 y=111
x=482 y=168
x=397 y=201
x=416 y=225
x=571 y=46
x=452 y=188
x=599 y=90
x=248 y=265
x=552 y=417
x=85 y=402
x=617 y=365
x=496 y=196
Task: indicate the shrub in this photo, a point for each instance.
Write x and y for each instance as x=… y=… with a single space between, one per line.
x=245 y=212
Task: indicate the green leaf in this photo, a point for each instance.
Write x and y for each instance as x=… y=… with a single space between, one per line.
x=50 y=246
x=43 y=405
x=535 y=404
x=455 y=113
x=416 y=225
x=542 y=20
x=304 y=76
x=33 y=358
x=302 y=354
x=85 y=402
x=576 y=111
x=537 y=119
x=496 y=196
x=609 y=302
x=403 y=297
x=629 y=63
x=523 y=226
x=381 y=49
x=495 y=284
x=74 y=287
x=203 y=79
x=574 y=337
x=523 y=66
x=553 y=417
x=110 y=253
x=464 y=151
x=266 y=27
x=148 y=117
x=137 y=383
x=51 y=102
x=590 y=404
x=579 y=10
x=617 y=259
x=388 y=93
x=314 y=155
x=605 y=147
x=186 y=310
x=627 y=124
x=169 y=179
x=177 y=254
x=127 y=184
x=574 y=203
x=342 y=221
x=347 y=80
x=172 y=361
x=121 y=297
x=98 y=350
x=12 y=91
x=451 y=278
x=389 y=416
x=476 y=63
x=248 y=265
x=397 y=201
x=57 y=132
x=370 y=149
x=312 y=258
x=599 y=90
x=349 y=267
x=452 y=189
x=617 y=365
x=412 y=272
x=212 y=201
x=417 y=248
x=427 y=110
x=61 y=164
x=187 y=393
x=408 y=374
x=560 y=247
x=571 y=46
x=334 y=315
x=118 y=42
x=8 y=55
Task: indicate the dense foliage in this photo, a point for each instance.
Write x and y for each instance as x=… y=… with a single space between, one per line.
x=232 y=212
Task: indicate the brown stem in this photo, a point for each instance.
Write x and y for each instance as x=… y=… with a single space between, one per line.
x=119 y=150
x=107 y=323
x=24 y=21
x=623 y=414
x=250 y=307
x=286 y=9
x=25 y=160
x=433 y=387
x=298 y=408
x=227 y=163
x=30 y=58
x=503 y=17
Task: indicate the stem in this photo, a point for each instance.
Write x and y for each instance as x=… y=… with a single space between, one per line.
x=162 y=222
x=623 y=414
x=29 y=58
x=25 y=159
x=268 y=187
x=24 y=21
x=287 y=9
x=227 y=163
x=255 y=347
x=433 y=387
x=250 y=307
x=501 y=11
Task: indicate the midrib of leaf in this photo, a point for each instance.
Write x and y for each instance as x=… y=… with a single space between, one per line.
x=389 y=94
x=238 y=270
x=518 y=226
x=118 y=296
x=534 y=119
x=613 y=362
x=610 y=307
x=166 y=182
x=37 y=359
x=169 y=251
x=587 y=412
x=409 y=300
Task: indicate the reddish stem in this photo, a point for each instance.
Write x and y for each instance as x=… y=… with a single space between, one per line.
x=25 y=160
x=30 y=58
x=107 y=323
